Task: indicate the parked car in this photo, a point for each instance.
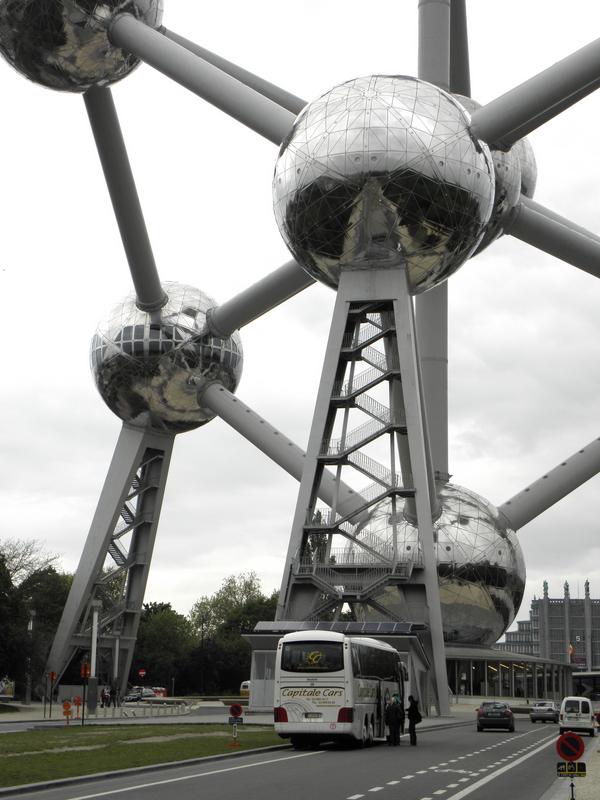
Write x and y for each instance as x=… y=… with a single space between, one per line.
x=495 y=714
x=138 y=693
x=544 y=711
x=576 y=714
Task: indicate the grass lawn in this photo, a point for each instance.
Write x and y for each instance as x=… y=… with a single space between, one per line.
x=34 y=756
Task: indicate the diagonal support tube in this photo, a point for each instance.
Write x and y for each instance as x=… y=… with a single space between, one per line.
x=552 y=487
x=257 y=299
x=230 y=95
x=274 y=444
x=123 y=194
x=557 y=236
x=521 y=110
x=270 y=90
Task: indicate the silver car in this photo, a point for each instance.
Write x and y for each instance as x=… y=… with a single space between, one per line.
x=544 y=711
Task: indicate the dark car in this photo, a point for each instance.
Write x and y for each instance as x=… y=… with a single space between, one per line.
x=495 y=714
x=139 y=694
x=544 y=711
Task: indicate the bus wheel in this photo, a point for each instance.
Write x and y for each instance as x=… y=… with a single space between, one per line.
x=364 y=734
x=370 y=734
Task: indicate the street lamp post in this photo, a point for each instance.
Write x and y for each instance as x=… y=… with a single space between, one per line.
x=29 y=655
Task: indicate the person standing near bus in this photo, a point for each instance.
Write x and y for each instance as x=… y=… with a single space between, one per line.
x=414 y=717
x=394 y=719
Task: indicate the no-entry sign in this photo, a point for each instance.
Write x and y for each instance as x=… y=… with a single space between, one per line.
x=570 y=746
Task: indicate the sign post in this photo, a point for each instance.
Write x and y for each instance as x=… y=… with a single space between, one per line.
x=570 y=747
x=235 y=718
x=52 y=680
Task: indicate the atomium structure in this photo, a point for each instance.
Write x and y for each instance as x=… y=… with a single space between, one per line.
x=383 y=187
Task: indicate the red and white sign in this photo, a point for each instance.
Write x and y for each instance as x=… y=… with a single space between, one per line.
x=142 y=673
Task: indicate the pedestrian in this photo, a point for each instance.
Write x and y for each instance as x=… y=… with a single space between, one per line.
x=414 y=717
x=113 y=696
x=104 y=697
x=394 y=718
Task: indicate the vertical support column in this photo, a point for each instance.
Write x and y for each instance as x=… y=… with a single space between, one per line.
x=420 y=459
x=567 y=620
x=587 y=616
x=432 y=307
x=320 y=414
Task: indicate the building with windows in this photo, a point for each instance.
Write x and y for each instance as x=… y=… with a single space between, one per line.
x=565 y=629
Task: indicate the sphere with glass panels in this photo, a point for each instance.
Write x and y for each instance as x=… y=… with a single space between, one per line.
x=480 y=564
x=64 y=44
x=148 y=367
x=515 y=173
x=383 y=170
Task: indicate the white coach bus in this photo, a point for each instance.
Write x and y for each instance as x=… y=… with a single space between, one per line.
x=331 y=686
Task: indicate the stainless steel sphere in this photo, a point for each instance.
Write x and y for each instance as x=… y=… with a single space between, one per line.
x=148 y=371
x=64 y=44
x=480 y=564
x=528 y=166
x=507 y=191
x=383 y=171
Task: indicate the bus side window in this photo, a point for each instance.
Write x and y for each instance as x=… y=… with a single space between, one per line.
x=355 y=661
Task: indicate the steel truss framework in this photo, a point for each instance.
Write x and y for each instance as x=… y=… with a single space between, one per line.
x=116 y=558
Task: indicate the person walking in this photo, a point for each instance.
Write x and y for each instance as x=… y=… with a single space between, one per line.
x=414 y=717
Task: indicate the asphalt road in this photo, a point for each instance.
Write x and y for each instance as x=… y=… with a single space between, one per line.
x=451 y=764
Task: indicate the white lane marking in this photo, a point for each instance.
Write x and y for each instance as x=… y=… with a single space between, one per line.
x=452 y=785
x=462 y=780
x=482 y=781
x=440 y=791
x=422 y=772
x=197 y=775
x=355 y=796
x=376 y=789
x=392 y=783
x=407 y=777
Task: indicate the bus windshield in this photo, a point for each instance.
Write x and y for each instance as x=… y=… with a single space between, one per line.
x=312 y=657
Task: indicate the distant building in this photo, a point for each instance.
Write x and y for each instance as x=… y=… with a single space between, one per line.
x=561 y=629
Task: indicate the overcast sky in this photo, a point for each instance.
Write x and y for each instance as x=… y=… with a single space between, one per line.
x=524 y=345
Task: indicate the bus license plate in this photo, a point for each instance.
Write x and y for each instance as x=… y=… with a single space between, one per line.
x=313 y=715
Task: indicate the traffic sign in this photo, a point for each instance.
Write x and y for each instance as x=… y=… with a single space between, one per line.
x=570 y=746
x=67 y=705
x=235 y=709
x=142 y=673
x=571 y=769
x=235 y=720
x=52 y=677
x=77 y=700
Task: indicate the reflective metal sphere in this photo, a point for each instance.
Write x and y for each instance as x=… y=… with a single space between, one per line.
x=528 y=166
x=63 y=44
x=148 y=371
x=507 y=172
x=480 y=564
x=383 y=170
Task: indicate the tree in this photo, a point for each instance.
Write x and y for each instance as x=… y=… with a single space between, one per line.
x=23 y=557
x=221 y=661
x=209 y=613
x=164 y=643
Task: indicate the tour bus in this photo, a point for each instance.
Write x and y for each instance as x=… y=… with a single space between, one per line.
x=331 y=686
